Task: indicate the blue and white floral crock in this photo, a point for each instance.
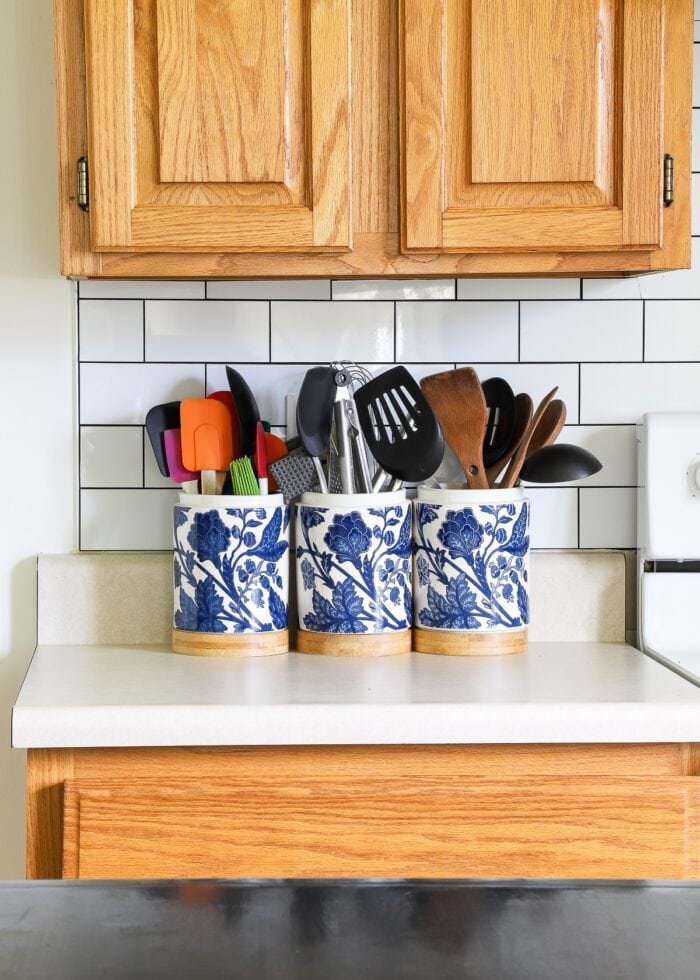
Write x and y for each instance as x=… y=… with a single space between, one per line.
x=354 y=568
x=471 y=550
x=231 y=565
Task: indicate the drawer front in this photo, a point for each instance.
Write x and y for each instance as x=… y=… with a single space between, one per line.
x=595 y=827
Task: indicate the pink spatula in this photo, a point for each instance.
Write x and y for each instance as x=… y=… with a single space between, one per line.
x=173 y=454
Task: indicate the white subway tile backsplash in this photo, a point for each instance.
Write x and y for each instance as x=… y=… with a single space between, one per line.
x=359 y=289
x=317 y=332
x=207 y=331
x=111 y=456
x=681 y=284
x=575 y=331
x=696 y=74
x=608 y=517
x=624 y=392
x=126 y=520
x=616 y=448
x=139 y=289
x=111 y=330
x=152 y=477
x=537 y=380
x=458 y=331
x=122 y=393
x=518 y=288
x=270 y=289
x=672 y=330
x=695 y=145
x=628 y=288
x=553 y=517
x=695 y=203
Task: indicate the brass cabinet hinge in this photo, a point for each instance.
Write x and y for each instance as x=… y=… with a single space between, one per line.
x=83 y=186
x=668 y=180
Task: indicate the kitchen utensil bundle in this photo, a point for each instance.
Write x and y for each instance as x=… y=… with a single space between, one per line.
x=196 y=442
x=497 y=438
x=359 y=434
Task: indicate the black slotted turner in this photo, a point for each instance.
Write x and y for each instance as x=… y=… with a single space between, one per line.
x=399 y=426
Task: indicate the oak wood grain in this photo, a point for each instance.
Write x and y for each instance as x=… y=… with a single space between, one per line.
x=568 y=826
x=221 y=90
x=230 y=644
x=47 y=770
x=375 y=188
x=453 y=643
x=354 y=645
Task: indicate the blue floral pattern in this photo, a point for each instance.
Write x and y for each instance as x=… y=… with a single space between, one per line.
x=230 y=569
x=354 y=569
x=471 y=566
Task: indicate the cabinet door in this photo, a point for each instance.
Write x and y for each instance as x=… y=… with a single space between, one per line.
x=531 y=125
x=218 y=125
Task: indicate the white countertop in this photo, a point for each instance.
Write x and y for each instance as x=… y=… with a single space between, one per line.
x=98 y=696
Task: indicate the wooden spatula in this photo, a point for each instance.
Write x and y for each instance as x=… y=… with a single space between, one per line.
x=549 y=426
x=512 y=474
x=457 y=399
x=207 y=444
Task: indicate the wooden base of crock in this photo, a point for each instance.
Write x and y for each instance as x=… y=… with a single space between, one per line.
x=452 y=643
x=354 y=644
x=230 y=644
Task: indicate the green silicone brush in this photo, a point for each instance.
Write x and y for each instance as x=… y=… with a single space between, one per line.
x=243 y=478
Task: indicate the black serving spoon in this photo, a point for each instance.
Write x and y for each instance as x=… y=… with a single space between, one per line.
x=559 y=463
x=400 y=427
x=315 y=415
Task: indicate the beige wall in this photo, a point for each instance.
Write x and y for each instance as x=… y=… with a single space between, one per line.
x=36 y=377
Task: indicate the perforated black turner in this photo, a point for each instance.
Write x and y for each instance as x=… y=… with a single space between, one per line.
x=399 y=426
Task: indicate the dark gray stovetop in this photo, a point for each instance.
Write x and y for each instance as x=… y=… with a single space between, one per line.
x=350 y=929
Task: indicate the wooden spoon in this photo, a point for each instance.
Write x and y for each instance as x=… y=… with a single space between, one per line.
x=512 y=474
x=523 y=417
x=457 y=399
x=551 y=424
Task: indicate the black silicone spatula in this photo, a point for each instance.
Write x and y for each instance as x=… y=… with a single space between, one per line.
x=247 y=409
x=158 y=420
x=315 y=415
x=500 y=422
x=400 y=427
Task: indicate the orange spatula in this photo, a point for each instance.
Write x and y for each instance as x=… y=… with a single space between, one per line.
x=207 y=444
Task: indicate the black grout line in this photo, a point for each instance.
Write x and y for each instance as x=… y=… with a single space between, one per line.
x=644 y=330
x=580 y=295
x=269 y=332
x=394 y=331
x=143 y=358
x=519 y=331
x=417 y=299
x=578 y=517
x=143 y=456
x=579 y=393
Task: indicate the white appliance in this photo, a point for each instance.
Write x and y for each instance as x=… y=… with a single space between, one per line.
x=668 y=523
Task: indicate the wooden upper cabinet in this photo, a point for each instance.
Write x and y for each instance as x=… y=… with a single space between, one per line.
x=532 y=125
x=338 y=138
x=218 y=125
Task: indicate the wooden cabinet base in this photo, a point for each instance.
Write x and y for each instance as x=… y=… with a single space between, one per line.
x=600 y=811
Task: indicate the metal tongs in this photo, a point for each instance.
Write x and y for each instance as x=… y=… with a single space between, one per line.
x=350 y=444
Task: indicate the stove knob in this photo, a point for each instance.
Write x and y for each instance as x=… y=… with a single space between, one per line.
x=694 y=477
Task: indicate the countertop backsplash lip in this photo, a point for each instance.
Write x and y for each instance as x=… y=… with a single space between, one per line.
x=126 y=598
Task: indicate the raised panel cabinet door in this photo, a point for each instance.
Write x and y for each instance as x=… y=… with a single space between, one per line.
x=218 y=125
x=532 y=125
x=353 y=824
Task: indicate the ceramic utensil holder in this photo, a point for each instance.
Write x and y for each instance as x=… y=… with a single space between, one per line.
x=231 y=575
x=471 y=550
x=353 y=555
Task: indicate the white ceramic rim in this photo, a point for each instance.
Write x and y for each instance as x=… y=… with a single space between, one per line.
x=353 y=501
x=454 y=495
x=223 y=501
